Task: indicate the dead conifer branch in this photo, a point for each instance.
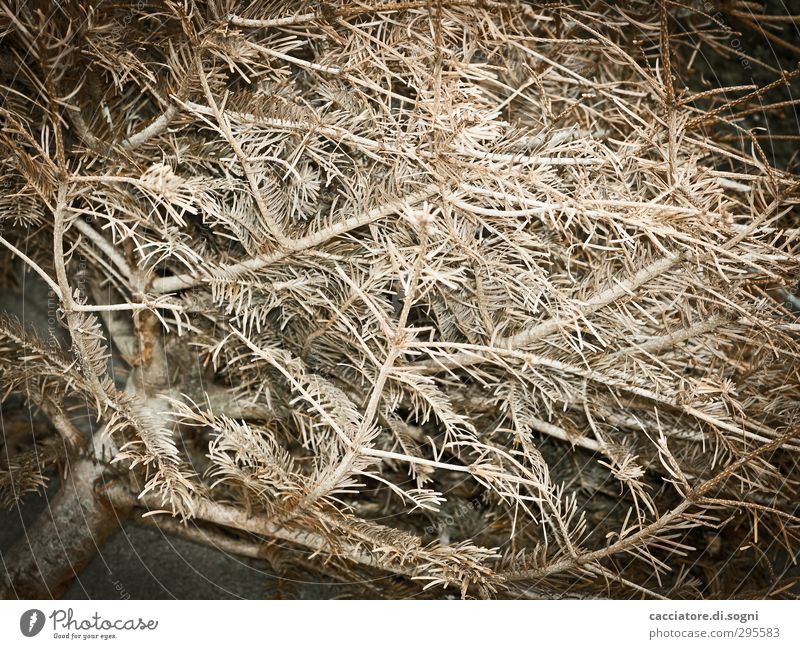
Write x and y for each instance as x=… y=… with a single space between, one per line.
x=486 y=272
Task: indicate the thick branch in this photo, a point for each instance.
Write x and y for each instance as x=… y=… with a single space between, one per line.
x=239 y=519
x=70 y=531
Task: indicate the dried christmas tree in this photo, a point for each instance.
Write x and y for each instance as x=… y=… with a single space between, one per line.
x=473 y=294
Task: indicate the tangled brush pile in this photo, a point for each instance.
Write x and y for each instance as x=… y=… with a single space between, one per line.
x=463 y=292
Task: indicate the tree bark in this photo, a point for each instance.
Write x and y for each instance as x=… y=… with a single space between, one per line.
x=71 y=530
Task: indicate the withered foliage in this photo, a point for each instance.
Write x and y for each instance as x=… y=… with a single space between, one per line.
x=478 y=295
